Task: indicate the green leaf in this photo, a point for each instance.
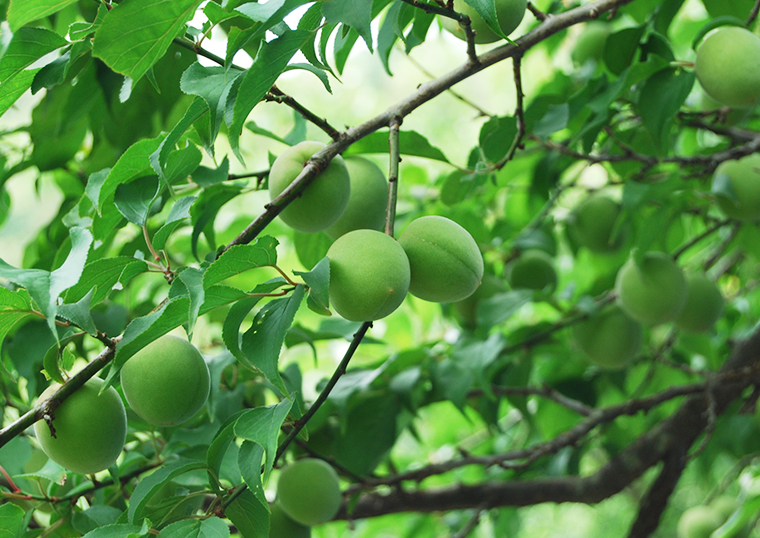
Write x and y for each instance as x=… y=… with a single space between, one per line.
x=182 y=162
x=149 y=486
x=318 y=280
x=220 y=443
x=204 y=213
x=238 y=313
x=212 y=527
x=262 y=426
x=135 y=199
x=56 y=71
x=621 y=47
x=240 y=258
x=14 y=88
x=269 y=13
x=320 y=73
x=497 y=136
x=15 y=306
x=21 y=12
x=249 y=516
x=207 y=177
x=250 y=457
x=102 y=275
x=179 y=212
x=189 y=283
x=487 y=11
x=11 y=520
x=661 y=98
x=263 y=341
x=271 y=61
x=159 y=157
x=79 y=313
x=502 y=306
x=26 y=47
x=410 y=143
x=120 y=530
x=310 y=247
x=130 y=46
x=354 y=13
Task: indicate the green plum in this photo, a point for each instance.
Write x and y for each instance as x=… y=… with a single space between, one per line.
x=698 y=522
x=308 y=491
x=590 y=43
x=90 y=428
x=369 y=275
x=445 y=260
x=282 y=526
x=728 y=66
x=592 y=224
x=509 y=13
x=166 y=382
x=534 y=270
x=322 y=203
x=704 y=304
x=367 y=201
x=652 y=291
x=736 y=187
x=610 y=338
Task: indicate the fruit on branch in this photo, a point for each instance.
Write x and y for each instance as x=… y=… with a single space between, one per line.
x=90 y=428
x=534 y=270
x=367 y=201
x=509 y=13
x=166 y=382
x=323 y=201
x=308 y=491
x=369 y=275
x=736 y=187
x=466 y=310
x=592 y=224
x=652 y=289
x=728 y=66
x=704 y=304
x=698 y=522
x=445 y=260
x=590 y=43
x=282 y=526
x=610 y=338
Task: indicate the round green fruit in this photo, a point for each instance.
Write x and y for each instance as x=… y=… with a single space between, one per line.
x=534 y=270
x=590 y=44
x=445 y=260
x=698 y=522
x=592 y=224
x=369 y=275
x=166 y=382
x=323 y=201
x=367 y=201
x=282 y=526
x=90 y=428
x=610 y=338
x=509 y=13
x=652 y=291
x=704 y=304
x=728 y=66
x=309 y=491
x=736 y=187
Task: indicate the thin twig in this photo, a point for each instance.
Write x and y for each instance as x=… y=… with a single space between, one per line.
x=395 y=158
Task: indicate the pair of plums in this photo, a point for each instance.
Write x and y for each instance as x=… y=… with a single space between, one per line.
x=165 y=383
x=434 y=259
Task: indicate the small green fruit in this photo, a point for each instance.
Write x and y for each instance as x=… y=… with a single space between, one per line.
x=728 y=66
x=90 y=428
x=323 y=201
x=166 y=382
x=309 y=491
x=704 y=304
x=445 y=260
x=534 y=270
x=509 y=13
x=653 y=291
x=590 y=44
x=592 y=224
x=736 y=187
x=610 y=338
x=369 y=275
x=698 y=522
x=281 y=526
x=368 y=199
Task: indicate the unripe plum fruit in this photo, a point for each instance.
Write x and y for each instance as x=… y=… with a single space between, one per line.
x=509 y=13
x=369 y=275
x=736 y=187
x=323 y=201
x=704 y=304
x=308 y=491
x=592 y=224
x=652 y=291
x=698 y=522
x=445 y=260
x=90 y=428
x=367 y=201
x=610 y=338
x=534 y=270
x=282 y=526
x=590 y=43
x=166 y=382
x=728 y=66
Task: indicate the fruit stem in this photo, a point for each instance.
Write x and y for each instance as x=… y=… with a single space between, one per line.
x=395 y=158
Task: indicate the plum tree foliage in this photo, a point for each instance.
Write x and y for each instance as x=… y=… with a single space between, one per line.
x=353 y=275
